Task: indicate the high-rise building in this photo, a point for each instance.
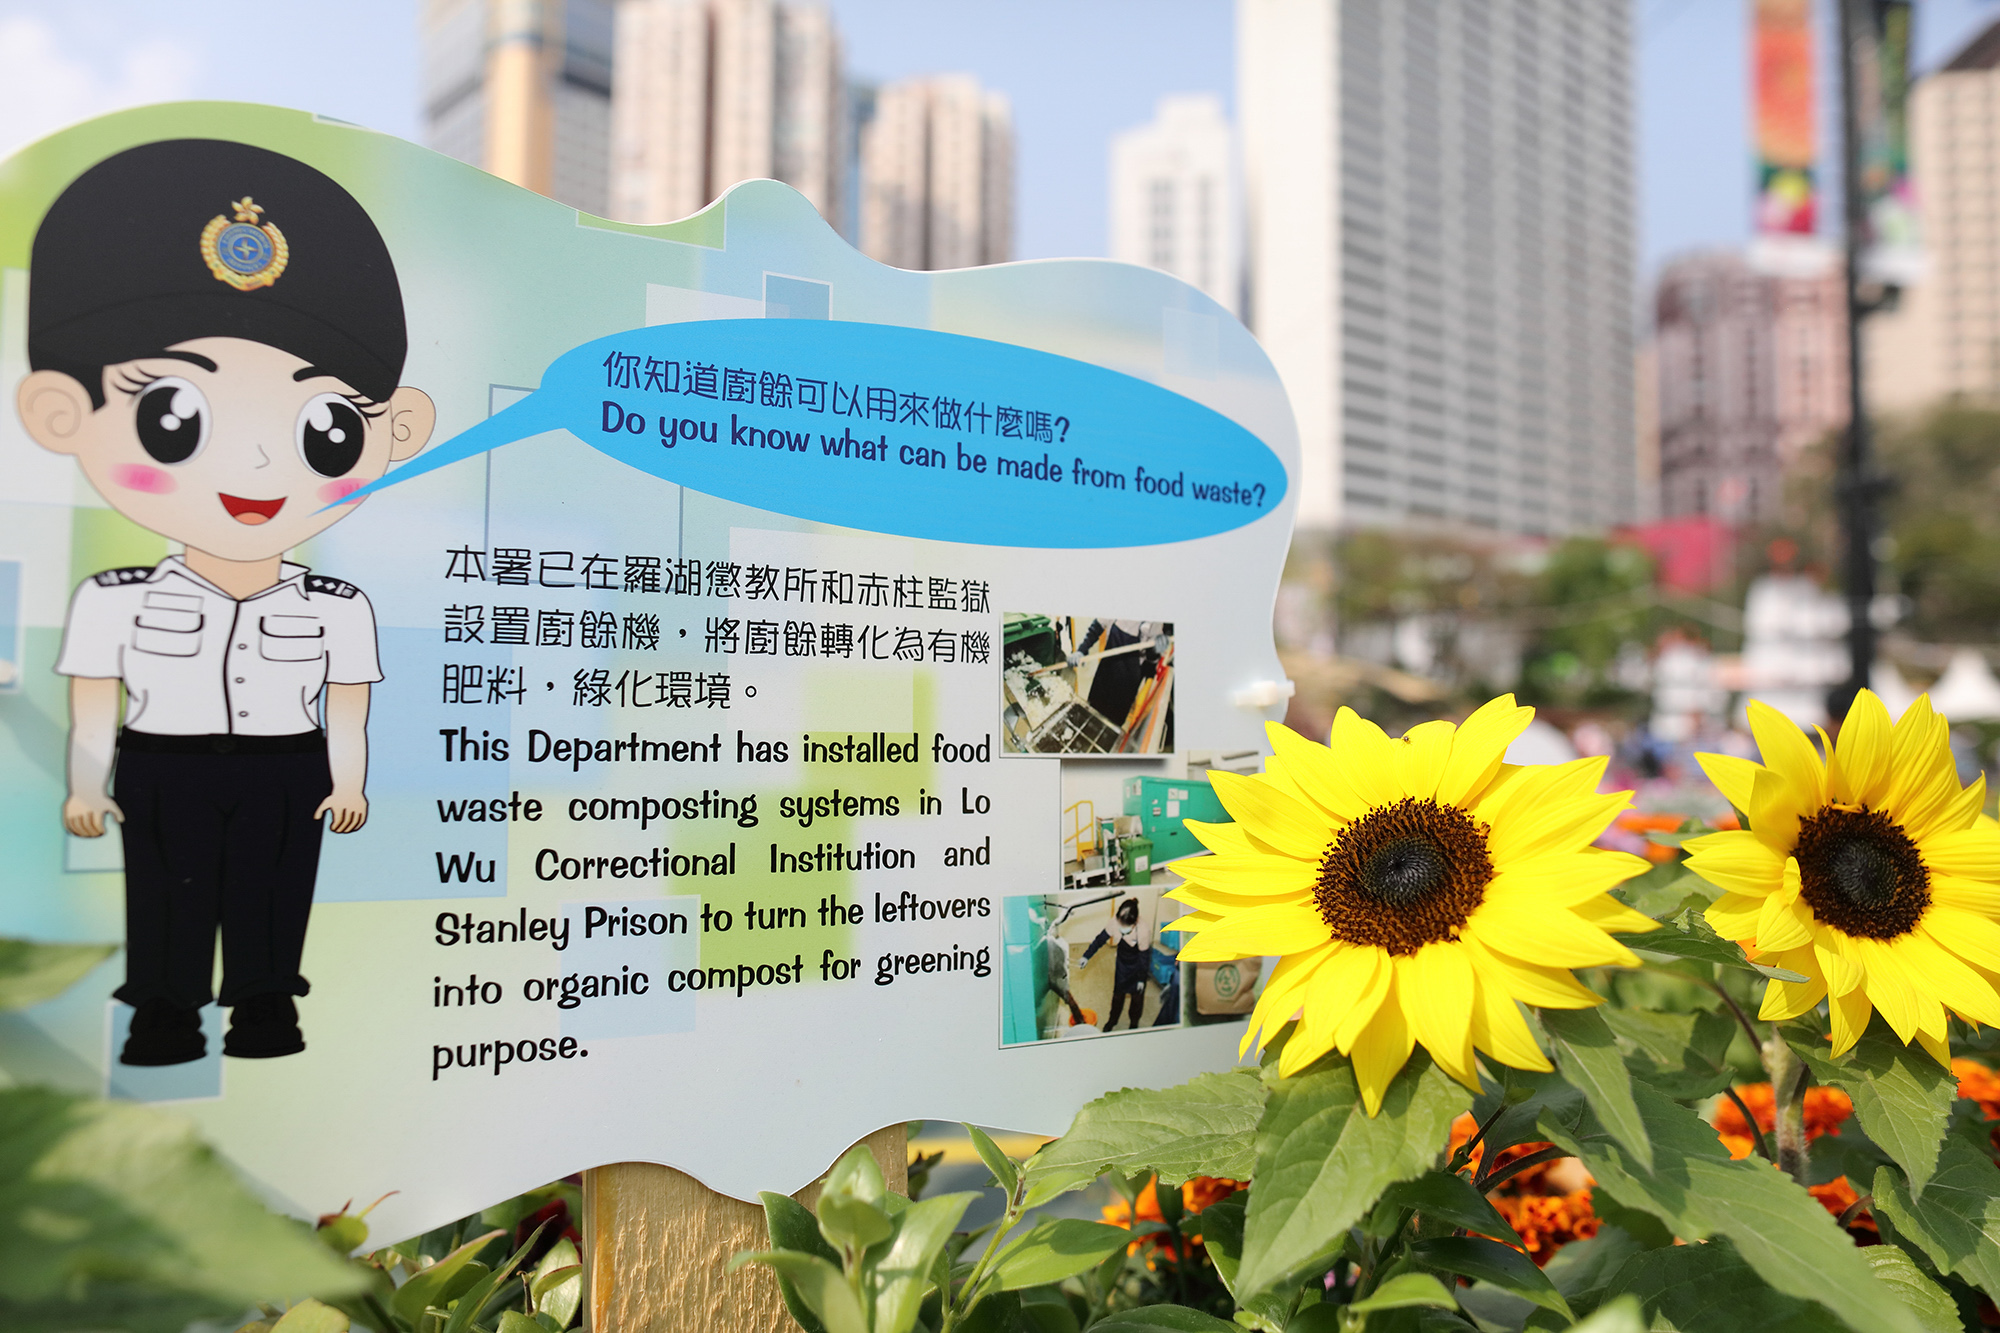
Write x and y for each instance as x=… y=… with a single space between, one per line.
x=1752 y=369
x=937 y=175
x=1943 y=339
x=1173 y=191
x=522 y=88
x=1440 y=238
x=711 y=92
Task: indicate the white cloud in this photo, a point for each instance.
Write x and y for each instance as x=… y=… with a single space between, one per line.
x=47 y=83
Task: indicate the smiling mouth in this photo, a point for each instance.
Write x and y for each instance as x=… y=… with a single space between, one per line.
x=252 y=512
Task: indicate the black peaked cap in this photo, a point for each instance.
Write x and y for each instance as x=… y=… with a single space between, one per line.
x=118 y=270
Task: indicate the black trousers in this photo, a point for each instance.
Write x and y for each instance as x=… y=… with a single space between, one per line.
x=219 y=834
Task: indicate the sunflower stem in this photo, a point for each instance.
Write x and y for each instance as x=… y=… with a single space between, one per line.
x=1788 y=1095
x=1756 y=1133
x=1486 y=1184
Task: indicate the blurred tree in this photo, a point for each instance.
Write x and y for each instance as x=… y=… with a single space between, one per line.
x=1591 y=599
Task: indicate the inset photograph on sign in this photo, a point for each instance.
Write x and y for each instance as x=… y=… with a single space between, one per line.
x=1087 y=964
x=1086 y=685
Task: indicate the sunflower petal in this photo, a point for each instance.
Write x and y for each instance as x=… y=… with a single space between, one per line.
x=1479 y=748
x=1784 y=921
x=1788 y=753
x=1286 y=823
x=1735 y=778
x=1532 y=787
x=1607 y=913
x=1837 y=961
x=1938 y=1048
x=1919 y=761
x=1734 y=916
x=1850 y=1014
x=1223 y=839
x=1367 y=757
x=1972 y=852
x=1558 y=938
x=1500 y=1031
x=1563 y=879
x=1979 y=896
x=1381 y=1049
x=1317 y=769
x=1338 y=990
x=1436 y=989
x=1863 y=751
x=1892 y=989
x=1251 y=874
x=1249 y=932
x=1535 y=983
x=1284 y=995
x=1565 y=826
x=1973 y=938
x=1954 y=814
x=1421 y=756
x=1374 y=993
x=1789 y=999
x=1736 y=860
x=1943 y=977
x=1776 y=807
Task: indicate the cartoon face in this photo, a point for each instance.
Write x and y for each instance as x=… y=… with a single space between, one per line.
x=232 y=447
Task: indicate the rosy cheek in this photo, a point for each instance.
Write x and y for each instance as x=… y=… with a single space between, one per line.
x=140 y=477
x=335 y=491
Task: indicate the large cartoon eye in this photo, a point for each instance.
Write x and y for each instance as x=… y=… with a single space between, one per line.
x=173 y=420
x=330 y=435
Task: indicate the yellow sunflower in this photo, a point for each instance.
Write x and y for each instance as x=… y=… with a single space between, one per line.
x=1416 y=889
x=1872 y=873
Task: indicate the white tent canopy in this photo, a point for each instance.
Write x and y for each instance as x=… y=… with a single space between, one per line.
x=1967 y=691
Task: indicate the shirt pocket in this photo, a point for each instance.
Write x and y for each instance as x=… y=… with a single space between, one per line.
x=291 y=638
x=167 y=631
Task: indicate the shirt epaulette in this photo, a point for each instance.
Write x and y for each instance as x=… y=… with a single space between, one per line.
x=111 y=578
x=321 y=583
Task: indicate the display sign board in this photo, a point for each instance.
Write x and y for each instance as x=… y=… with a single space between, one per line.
x=530 y=692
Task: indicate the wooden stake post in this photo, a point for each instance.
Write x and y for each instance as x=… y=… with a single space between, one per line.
x=657 y=1245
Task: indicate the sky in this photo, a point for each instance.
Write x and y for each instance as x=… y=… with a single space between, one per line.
x=1077 y=72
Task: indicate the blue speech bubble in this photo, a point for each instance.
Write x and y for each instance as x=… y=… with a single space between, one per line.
x=897 y=430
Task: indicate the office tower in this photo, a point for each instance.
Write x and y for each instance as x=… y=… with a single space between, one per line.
x=937 y=175
x=522 y=88
x=1172 y=197
x=1752 y=370
x=1943 y=339
x=1440 y=239
x=711 y=92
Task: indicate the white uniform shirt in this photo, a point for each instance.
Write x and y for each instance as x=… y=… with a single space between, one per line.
x=197 y=662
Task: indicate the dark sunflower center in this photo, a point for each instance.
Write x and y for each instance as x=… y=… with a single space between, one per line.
x=1861 y=874
x=1403 y=876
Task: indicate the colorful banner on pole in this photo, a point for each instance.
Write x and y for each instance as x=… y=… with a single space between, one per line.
x=1787 y=191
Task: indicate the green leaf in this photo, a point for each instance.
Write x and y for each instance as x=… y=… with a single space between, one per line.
x=1220 y=1226
x=793 y=1227
x=1405 y=1290
x=1588 y=1059
x=513 y=1321
x=114 y=1215
x=473 y=1300
x=1489 y=1261
x=1689 y=935
x=1005 y=1173
x=856 y=1173
x=1933 y=1306
x=1779 y=1229
x=852 y=1224
x=1582 y=1269
x=1322 y=1160
x=309 y=1316
x=1660 y=892
x=1151 y=1318
x=1205 y=1127
x=903 y=1274
x=433 y=1286
x=31 y=972
x=1957 y=1222
x=557 y=1288
x=1683 y=1055
x=1708 y=1288
x=1624 y=1315
x=1444 y=1196
x=819 y=1284
x=344 y=1234
x=1901 y=1096
x=1053 y=1249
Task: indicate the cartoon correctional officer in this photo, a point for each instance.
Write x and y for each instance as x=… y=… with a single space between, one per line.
x=216 y=335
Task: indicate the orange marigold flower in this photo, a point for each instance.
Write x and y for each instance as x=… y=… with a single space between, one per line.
x=1837 y=1196
x=1197 y=1194
x=1978 y=1083
x=1547 y=1222
x=1825 y=1111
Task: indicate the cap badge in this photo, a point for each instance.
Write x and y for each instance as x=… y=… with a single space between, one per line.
x=244 y=253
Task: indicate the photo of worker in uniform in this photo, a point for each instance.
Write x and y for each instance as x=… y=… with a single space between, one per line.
x=1080 y=685
x=1134 y=954
x=216 y=335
